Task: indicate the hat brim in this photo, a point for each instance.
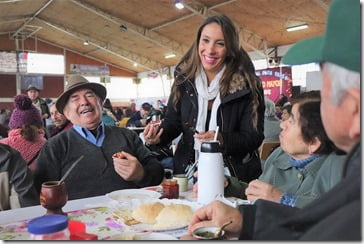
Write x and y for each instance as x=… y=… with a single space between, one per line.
x=62 y=100
x=32 y=88
x=306 y=51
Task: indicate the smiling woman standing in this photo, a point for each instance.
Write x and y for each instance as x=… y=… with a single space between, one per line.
x=215 y=85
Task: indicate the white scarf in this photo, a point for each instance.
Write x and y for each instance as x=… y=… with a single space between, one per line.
x=206 y=93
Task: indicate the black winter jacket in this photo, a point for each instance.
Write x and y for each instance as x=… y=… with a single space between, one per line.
x=16 y=181
x=233 y=119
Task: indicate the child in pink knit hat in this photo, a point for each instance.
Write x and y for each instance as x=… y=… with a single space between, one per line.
x=26 y=133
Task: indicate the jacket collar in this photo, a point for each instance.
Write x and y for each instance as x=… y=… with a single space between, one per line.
x=311 y=168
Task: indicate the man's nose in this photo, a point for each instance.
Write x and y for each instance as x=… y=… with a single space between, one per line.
x=84 y=100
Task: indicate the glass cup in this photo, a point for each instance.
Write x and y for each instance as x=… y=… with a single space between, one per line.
x=182 y=182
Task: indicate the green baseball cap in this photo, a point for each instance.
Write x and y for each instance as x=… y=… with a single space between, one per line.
x=340 y=43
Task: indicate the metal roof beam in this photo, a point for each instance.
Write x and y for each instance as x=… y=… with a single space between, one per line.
x=85 y=55
x=10 y=1
x=144 y=62
x=248 y=38
x=31 y=18
x=194 y=12
x=144 y=33
x=12 y=20
x=172 y=22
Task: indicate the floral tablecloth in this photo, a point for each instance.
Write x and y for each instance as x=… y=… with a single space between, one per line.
x=99 y=221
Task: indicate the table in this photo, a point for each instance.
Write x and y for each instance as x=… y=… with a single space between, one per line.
x=93 y=211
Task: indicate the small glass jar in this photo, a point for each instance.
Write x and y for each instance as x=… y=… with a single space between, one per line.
x=170 y=189
x=49 y=227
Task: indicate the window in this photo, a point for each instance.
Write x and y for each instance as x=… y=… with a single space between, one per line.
x=45 y=63
x=119 y=88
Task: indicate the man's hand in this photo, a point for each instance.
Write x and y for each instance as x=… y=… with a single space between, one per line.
x=260 y=190
x=216 y=214
x=129 y=168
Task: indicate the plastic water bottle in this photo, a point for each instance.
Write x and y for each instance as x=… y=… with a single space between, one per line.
x=210 y=172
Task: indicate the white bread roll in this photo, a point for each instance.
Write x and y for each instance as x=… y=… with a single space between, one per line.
x=147 y=213
x=174 y=216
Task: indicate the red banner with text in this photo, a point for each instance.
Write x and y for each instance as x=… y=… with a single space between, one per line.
x=276 y=81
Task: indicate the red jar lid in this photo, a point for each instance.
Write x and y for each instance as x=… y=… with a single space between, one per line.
x=170 y=182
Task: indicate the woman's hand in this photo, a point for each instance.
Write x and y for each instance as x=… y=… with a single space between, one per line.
x=151 y=134
x=205 y=136
x=260 y=190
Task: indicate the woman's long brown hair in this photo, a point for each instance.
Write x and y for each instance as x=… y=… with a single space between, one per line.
x=239 y=73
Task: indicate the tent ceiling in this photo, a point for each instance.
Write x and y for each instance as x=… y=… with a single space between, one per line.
x=155 y=28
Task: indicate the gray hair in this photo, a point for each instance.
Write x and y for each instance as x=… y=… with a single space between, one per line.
x=342 y=79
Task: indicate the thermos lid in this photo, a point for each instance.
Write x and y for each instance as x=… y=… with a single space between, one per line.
x=48 y=224
x=210 y=147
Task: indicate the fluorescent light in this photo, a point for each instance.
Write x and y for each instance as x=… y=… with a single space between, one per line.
x=172 y=55
x=135 y=64
x=179 y=4
x=297 y=27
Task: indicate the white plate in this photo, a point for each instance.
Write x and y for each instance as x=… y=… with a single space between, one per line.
x=141 y=236
x=148 y=227
x=129 y=194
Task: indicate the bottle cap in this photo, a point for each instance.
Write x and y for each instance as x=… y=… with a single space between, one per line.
x=210 y=147
x=170 y=182
x=48 y=224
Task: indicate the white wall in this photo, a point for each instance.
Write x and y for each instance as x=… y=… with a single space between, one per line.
x=313 y=81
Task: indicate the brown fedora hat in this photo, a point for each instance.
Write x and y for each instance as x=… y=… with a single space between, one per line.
x=76 y=82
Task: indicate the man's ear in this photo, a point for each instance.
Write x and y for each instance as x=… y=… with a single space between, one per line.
x=66 y=113
x=354 y=108
x=101 y=102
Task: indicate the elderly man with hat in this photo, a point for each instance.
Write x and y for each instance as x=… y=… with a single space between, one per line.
x=99 y=172
x=336 y=215
x=39 y=103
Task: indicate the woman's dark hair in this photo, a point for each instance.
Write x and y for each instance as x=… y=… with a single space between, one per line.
x=239 y=66
x=311 y=123
x=128 y=112
x=287 y=107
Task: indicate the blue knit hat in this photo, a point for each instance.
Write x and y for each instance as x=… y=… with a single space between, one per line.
x=24 y=113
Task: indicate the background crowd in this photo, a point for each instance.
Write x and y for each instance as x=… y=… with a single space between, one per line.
x=308 y=188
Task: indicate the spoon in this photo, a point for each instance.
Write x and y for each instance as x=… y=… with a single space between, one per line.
x=70 y=169
x=219 y=230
